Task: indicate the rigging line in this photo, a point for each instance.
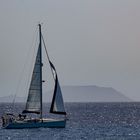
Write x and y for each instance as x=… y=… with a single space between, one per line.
x=47 y=55
x=20 y=77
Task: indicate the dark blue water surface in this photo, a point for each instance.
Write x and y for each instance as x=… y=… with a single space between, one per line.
x=87 y=121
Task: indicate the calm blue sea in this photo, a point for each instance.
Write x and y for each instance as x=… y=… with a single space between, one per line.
x=87 y=121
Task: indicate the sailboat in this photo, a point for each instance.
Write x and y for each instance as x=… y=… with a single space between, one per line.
x=34 y=103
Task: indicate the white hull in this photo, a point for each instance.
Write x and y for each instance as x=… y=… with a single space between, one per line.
x=48 y=123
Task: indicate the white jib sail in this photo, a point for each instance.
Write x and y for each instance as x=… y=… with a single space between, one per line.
x=57 y=105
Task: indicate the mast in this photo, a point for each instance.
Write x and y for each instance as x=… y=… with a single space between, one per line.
x=40 y=48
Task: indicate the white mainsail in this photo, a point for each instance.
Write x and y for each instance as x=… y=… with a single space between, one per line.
x=57 y=105
x=33 y=104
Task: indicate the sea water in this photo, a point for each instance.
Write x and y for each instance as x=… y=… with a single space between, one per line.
x=86 y=121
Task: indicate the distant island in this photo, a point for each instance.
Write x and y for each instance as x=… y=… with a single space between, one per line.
x=93 y=94
x=81 y=94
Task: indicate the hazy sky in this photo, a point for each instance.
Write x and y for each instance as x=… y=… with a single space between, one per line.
x=91 y=42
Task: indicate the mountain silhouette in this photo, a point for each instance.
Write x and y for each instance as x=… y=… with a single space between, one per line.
x=80 y=94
